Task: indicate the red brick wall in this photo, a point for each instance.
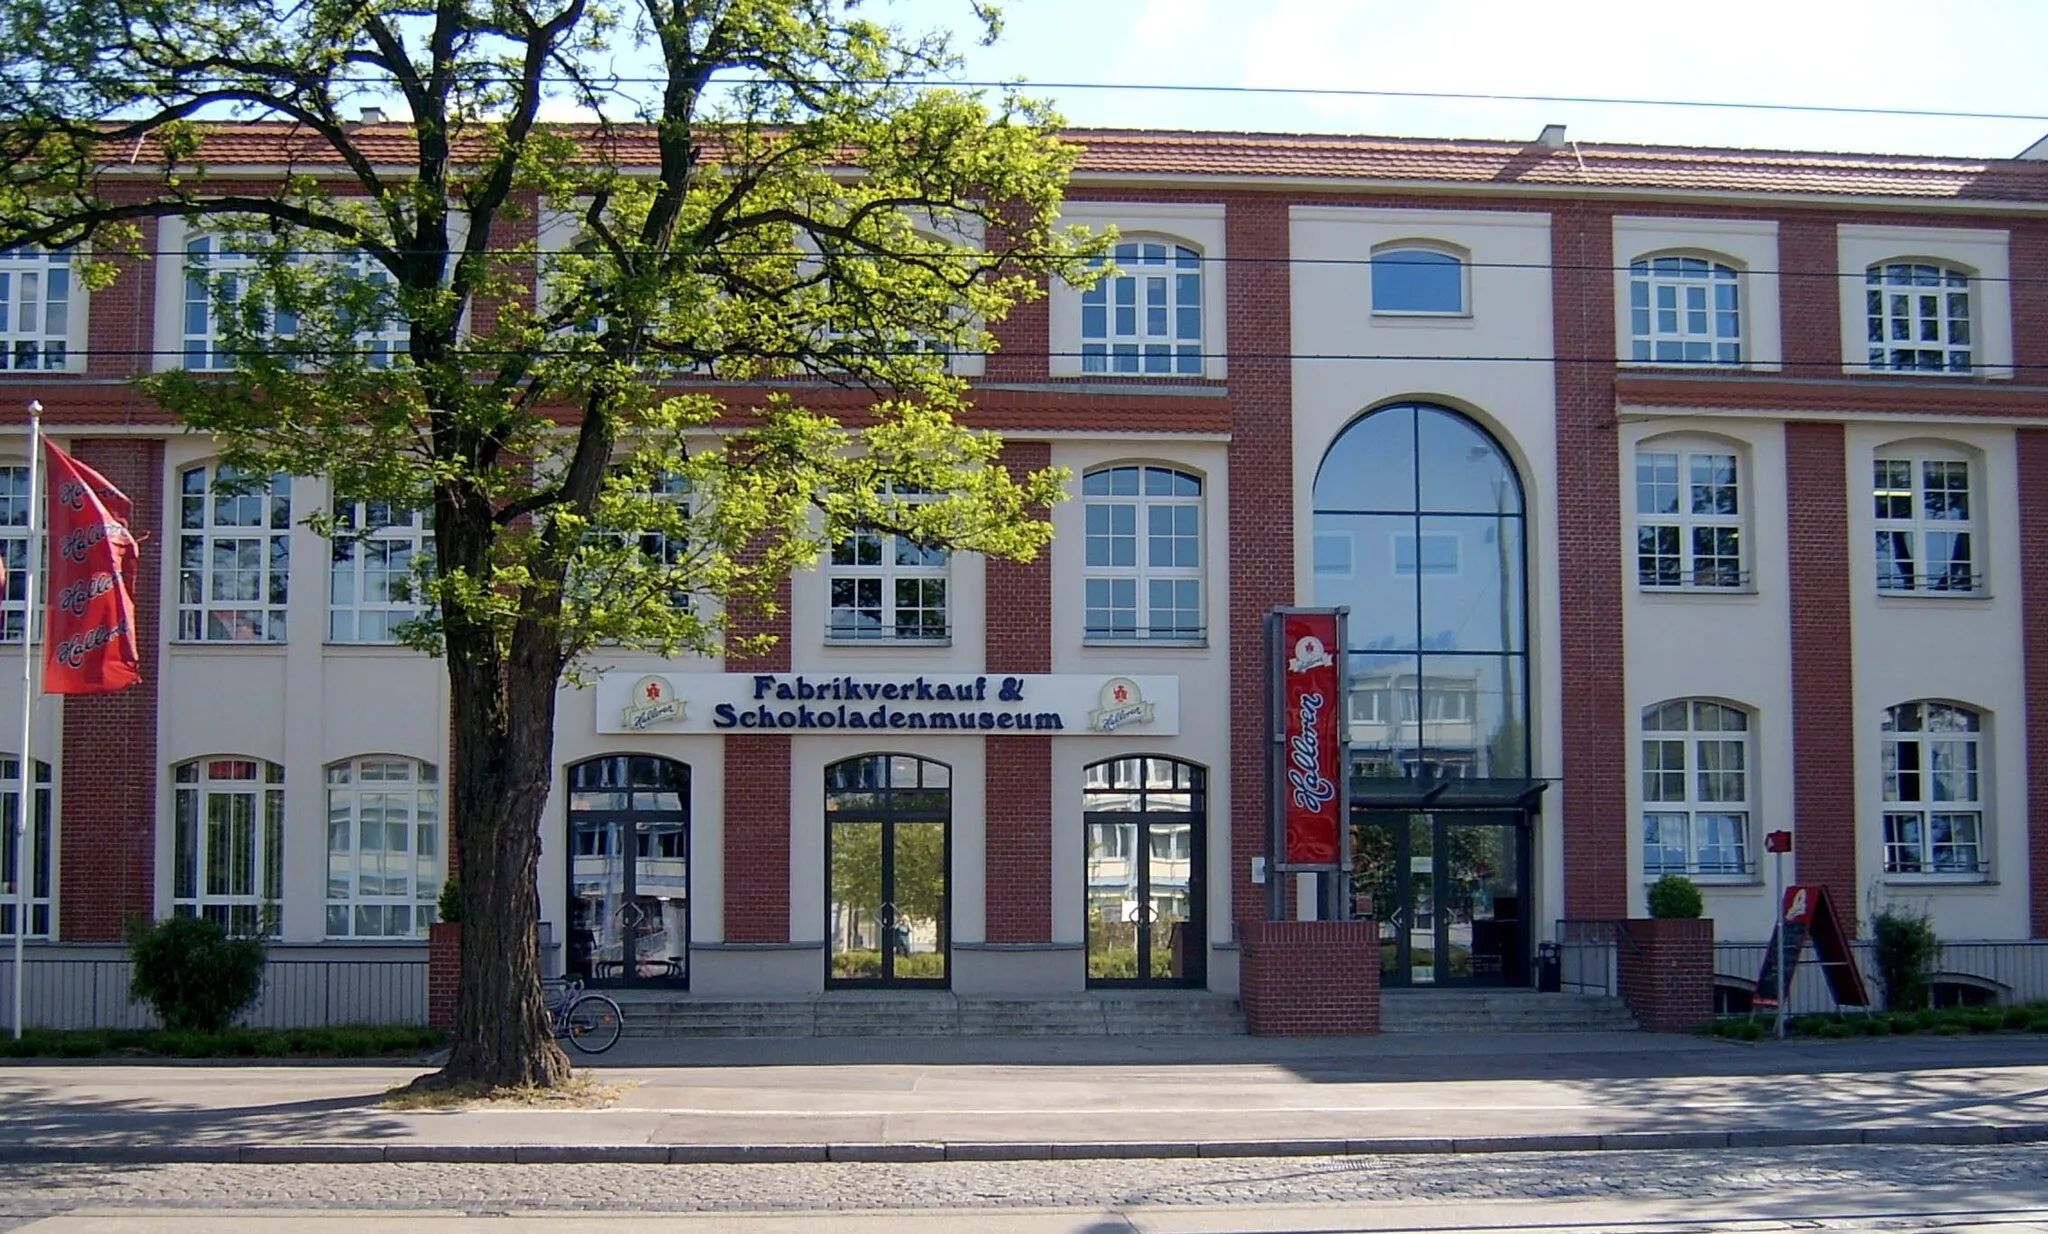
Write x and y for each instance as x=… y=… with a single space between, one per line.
x=444 y=972
x=2033 y=481
x=1809 y=297
x=1018 y=810
x=1591 y=562
x=1310 y=978
x=1665 y=969
x=757 y=819
x=1823 y=704
x=1261 y=505
x=108 y=809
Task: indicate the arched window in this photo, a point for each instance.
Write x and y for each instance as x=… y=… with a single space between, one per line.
x=234 y=555
x=1689 y=515
x=1697 y=790
x=1684 y=310
x=1926 y=520
x=1933 y=790
x=1418 y=529
x=1144 y=554
x=227 y=843
x=1147 y=318
x=41 y=844
x=1920 y=317
x=1410 y=278
x=35 y=309
x=384 y=866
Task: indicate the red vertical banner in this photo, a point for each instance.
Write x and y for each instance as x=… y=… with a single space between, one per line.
x=89 y=635
x=1311 y=699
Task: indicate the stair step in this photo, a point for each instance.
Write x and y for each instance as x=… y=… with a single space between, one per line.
x=665 y=1014
x=1479 y=1011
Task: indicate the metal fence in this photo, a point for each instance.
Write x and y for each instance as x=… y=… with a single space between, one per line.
x=91 y=991
x=2013 y=971
x=1589 y=955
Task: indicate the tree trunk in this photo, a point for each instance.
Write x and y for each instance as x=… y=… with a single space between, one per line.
x=502 y=775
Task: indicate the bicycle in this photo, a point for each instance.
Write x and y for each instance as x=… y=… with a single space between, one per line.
x=591 y=1022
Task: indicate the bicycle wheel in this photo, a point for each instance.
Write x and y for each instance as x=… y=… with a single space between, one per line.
x=593 y=1023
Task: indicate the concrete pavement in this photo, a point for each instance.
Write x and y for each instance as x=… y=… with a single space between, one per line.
x=933 y=1099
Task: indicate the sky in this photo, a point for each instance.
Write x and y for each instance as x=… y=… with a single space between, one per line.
x=1942 y=55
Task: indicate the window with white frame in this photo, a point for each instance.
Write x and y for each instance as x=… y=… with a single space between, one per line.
x=14 y=514
x=1696 y=789
x=1926 y=529
x=1684 y=310
x=227 y=843
x=35 y=309
x=887 y=587
x=1143 y=551
x=380 y=553
x=1689 y=517
x=40 y=847
x=1147 y=317
x=1919 y=316
x=234 y=555
x=382 y=334
x=218 y=275
x=1933 y=790
x=384 y=847
x=1410 y=279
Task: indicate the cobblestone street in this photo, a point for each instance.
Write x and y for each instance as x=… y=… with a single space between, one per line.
x=2004 y=1178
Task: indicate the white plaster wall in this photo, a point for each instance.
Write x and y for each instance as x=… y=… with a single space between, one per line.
x=1748 y=245
x=1352 y=362
x=1204 y=672
x=1735 y=648
x=1965 y=649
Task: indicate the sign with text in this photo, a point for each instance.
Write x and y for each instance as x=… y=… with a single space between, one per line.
x=1307 y=655
x=1063 y=704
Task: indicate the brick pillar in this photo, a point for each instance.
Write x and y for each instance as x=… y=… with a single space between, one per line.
x=1665 y=968
x=1823 y=701
x=1018 y=802
x=444 y=972
x=1591 y=564
x=757 y=803
x=2033 y=481
x=1261 y=511
x=107 y=814
x=1311 y=978
x=1810 y=297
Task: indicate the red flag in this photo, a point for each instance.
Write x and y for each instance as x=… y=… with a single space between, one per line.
x=89 y=645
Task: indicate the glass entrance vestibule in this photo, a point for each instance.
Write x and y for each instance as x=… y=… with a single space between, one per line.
x=1450 y=891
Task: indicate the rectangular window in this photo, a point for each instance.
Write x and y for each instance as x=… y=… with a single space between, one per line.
x=1689 y=520
x=383 y=848
x=35 y=310
x=382 y=555
x=886 y=587
x=1926 y=541
x=1142 y=554
x=228 y=843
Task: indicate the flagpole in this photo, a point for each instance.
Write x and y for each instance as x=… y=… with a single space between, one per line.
x=26 y=806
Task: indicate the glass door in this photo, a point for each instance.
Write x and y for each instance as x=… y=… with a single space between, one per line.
x=1449 y=893
x=629 y=872
x=1145 y=820
x=888 y=894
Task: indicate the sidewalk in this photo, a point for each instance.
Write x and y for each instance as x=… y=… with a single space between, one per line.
x=948 y=1098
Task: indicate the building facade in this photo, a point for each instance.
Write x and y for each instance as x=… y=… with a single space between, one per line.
x=1677 y=497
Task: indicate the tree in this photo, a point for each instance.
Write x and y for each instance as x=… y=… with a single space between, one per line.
x=781 y=204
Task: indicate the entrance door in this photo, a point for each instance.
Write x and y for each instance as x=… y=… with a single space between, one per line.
x=629 y=873
x=1450 y=893
x=888 y=823
x=1146 y=819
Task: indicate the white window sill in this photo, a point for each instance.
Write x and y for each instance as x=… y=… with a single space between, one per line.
x=244 y=644
x=1934 y=597
x=1748 y=590
x=1711 y=880
x=894 y=643
x=1704 y=368
x=1939 y=880
x=1169 y=644
x=1392 y=317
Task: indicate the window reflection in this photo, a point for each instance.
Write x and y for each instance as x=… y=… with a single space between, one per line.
x=1419 y=532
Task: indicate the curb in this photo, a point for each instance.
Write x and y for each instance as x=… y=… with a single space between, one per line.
x=932 y=1151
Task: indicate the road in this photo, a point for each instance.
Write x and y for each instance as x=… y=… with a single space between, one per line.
x=1905 y=1188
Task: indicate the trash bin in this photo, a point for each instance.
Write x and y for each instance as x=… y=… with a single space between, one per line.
x=1549 y=968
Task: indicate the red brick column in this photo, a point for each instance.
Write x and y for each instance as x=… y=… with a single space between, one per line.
x=1823 y=703
x=1810 y=297
x=1261 y=513
x=1666 y=972
x=1018 y=807
x=2033 y=481
x=107 y=814
x=444 y=972
x=1591 y=565
x=1311 y=978
x=757 y=820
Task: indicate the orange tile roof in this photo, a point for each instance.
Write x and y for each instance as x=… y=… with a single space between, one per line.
x=1111 y=153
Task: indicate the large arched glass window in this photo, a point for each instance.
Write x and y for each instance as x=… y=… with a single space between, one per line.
x=1418 y=529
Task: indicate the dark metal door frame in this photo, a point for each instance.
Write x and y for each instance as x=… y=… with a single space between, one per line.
x=1194 y=930
x=1397 y=916
x=625 y=824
